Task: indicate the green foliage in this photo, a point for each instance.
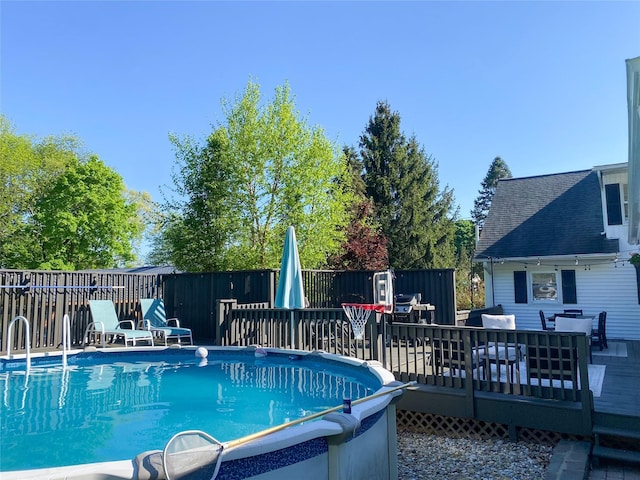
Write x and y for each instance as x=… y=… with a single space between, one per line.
x=402 y=181
x=84 y=220
x=365 y=248
x=469 y=293
x=261 y=171
x=356 y=171
x=464 y=237
x=497 y=170
x=59 y=209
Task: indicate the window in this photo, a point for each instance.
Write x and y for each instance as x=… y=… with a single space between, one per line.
x=614 y=203
x=544 y=287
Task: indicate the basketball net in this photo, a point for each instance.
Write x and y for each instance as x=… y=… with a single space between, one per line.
x=358 y=315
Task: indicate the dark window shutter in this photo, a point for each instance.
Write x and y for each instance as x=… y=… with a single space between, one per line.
x=614 y=208
x=520 y=286
x=569 y=286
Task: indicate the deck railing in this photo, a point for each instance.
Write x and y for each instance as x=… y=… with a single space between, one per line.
x=524 y=363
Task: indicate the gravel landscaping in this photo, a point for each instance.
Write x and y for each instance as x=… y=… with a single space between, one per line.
x=423 y=456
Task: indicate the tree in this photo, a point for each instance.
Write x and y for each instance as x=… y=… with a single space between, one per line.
x=365 y=247
x=260 y=171
x=61 y=209
x=497 y=170
x=469 y=286
x=402 y=181
x=356 y=171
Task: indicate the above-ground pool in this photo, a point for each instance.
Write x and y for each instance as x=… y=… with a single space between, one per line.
x=112 y=406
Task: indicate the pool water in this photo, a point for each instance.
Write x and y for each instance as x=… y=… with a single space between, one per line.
x=106 y=407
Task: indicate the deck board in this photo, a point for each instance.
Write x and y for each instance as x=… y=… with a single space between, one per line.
x=621 y=386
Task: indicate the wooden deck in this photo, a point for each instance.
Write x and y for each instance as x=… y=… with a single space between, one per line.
x=621 y=386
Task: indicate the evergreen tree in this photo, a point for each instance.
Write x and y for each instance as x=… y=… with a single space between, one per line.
x=402 y=181
x=365 y=247
x=498 y=170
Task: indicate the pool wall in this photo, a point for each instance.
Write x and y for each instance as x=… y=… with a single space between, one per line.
x=360 y=445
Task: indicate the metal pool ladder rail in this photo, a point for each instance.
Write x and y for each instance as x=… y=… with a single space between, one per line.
x=66 y=338
x=26 y=336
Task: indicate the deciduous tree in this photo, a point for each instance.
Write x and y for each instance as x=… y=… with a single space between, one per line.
x=263 y=169
x=84 y=220
x=62 y=209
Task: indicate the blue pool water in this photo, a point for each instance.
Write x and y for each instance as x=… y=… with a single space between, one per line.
x=113 y=406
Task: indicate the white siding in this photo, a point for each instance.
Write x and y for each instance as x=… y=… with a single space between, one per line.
x=602 y=287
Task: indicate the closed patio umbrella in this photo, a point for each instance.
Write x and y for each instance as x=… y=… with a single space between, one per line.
x=290 y=292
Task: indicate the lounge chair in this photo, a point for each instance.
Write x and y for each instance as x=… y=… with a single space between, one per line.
x=154 y=319
x=105 y=322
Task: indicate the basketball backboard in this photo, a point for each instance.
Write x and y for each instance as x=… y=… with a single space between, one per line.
x=383 y=290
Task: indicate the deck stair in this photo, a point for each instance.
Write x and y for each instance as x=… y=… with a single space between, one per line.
x=624 y=436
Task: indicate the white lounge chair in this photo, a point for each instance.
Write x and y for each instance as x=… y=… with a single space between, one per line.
x=105 y=322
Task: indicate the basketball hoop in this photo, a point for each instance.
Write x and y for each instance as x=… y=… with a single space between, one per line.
x=358 y=315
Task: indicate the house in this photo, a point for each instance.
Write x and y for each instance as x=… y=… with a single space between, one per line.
x=560 y=241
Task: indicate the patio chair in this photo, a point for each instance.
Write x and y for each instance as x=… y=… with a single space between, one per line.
x=543 y=321
x=105 y=322
x=499 y=349
x=546 y=362
x=569 y=324
x=572 y=312
x=447 y=353
x=599 y=335
x=154 y=319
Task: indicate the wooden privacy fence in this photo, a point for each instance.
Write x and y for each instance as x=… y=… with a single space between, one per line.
x=192 y=297
x=329 y=289
x=43 y=298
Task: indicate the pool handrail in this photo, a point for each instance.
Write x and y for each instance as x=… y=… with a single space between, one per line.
x=27 y=340
x=66 y=338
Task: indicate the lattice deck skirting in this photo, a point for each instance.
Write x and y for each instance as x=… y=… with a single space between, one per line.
x=418 y=422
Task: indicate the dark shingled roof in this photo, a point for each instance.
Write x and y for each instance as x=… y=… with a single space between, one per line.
x=558 y=214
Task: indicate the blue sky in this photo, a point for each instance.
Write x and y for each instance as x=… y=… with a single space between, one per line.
x=541 y=84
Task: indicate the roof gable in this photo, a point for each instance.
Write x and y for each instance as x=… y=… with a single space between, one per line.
x=548 y=215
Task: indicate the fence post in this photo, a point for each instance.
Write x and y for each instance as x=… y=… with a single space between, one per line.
x=223 y=307
x=586 y=395
x=468 y=380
